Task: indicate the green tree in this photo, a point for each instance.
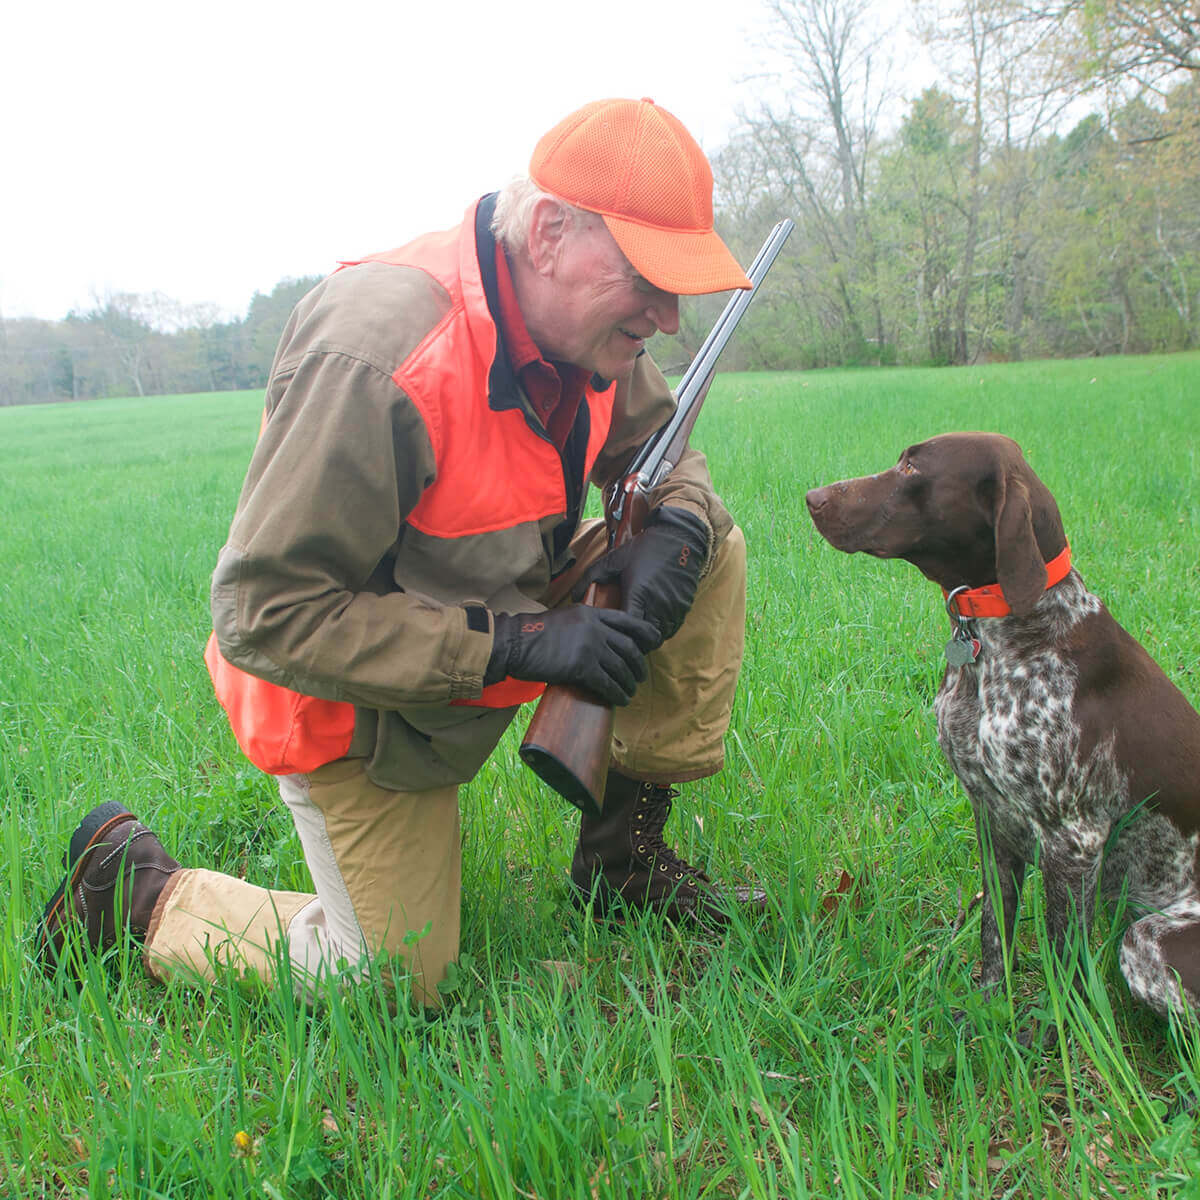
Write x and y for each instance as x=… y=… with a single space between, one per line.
x=921 y=211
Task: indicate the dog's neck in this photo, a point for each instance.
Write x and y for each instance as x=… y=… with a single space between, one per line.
x=989 y=601
x=1050 y=628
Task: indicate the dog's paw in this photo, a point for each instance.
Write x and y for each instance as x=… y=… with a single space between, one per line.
x=1038 y=1035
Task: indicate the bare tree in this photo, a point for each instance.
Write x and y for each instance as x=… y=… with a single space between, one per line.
x=965 y=36
x=818 y=138
x=1004 y=66
x=1123 y=42
x=123 y=320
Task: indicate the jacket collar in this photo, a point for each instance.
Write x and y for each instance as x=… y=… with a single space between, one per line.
x=503 y=391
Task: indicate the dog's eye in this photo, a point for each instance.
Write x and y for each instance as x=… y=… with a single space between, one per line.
x=905 y=467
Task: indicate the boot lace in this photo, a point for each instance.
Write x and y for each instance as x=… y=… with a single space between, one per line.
x=653 y=809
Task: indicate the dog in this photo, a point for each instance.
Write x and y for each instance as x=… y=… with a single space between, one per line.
x=1074 y=748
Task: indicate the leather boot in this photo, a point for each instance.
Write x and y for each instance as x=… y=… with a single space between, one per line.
x=622 y=861
x=116 y=871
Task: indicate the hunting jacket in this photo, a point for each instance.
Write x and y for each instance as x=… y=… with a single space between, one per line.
x=400 y=492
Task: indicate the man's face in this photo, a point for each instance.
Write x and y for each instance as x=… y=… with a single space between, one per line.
x=604 y=309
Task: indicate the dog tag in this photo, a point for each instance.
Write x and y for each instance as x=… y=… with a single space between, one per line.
x=960 y=651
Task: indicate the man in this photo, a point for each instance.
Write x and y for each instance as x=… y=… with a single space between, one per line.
x=400 y=569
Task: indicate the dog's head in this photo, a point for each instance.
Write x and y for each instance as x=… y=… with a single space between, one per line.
x=964 y=508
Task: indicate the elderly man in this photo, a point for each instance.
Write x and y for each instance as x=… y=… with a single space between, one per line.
x=399 y=573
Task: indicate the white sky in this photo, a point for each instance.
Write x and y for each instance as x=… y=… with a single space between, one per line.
x=208 y=150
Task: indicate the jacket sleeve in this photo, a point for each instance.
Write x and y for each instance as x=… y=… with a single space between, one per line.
x=302 y=594
x=643 y=404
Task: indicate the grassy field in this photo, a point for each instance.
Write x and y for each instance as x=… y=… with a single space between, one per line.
x=816 y=1053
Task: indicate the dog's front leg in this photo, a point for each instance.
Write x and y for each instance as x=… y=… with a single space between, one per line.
x=1003 y=873
x=1070 y=876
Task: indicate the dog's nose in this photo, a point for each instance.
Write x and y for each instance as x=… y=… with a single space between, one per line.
x=816 y=498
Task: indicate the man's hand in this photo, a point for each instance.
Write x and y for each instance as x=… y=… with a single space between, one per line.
x=602 y=650
x=658 y=569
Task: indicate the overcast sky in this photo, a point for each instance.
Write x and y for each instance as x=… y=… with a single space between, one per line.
x=209 y=150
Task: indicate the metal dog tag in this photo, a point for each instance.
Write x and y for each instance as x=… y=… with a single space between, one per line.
x=962 y=650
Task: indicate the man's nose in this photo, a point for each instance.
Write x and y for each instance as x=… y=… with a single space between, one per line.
x=664 y=311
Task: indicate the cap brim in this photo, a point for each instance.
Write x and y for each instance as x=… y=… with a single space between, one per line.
x=678 y=261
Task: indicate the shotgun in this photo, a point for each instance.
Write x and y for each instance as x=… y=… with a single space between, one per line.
x=569 y=740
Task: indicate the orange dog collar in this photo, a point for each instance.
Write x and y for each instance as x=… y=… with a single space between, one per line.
x=989 y=601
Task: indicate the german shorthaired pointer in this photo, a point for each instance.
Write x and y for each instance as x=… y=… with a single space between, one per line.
x=1075 y=749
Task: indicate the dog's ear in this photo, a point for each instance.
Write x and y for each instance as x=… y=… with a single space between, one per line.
x=1020 y=569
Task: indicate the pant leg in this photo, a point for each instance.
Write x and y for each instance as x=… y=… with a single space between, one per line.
x=386 y=866
x=204 y=919
x=674 y=729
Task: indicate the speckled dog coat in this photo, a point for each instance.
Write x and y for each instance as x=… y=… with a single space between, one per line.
x=1076 y=751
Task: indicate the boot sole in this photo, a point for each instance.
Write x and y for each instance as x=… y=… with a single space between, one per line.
x=87 y=836
x=605 y=904
x=608 y=906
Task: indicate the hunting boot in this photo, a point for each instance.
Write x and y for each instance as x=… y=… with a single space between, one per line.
x=622 y=861
x=116 y=871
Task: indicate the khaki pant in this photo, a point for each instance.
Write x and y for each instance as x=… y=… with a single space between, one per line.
x=386 y=865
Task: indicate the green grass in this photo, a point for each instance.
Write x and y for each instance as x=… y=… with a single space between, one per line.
x=815 y=1054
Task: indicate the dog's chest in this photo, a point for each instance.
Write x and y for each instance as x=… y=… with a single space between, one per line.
x=1006 y=726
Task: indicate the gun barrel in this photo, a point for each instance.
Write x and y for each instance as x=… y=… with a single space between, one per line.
x=651 y=458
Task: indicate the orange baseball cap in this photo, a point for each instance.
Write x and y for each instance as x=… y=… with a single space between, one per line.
x=635 y=164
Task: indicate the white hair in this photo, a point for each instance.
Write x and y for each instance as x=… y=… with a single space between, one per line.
x=514 y=212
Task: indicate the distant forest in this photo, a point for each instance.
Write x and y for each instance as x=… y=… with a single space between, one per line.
x=1043 y=200
x=143 y=345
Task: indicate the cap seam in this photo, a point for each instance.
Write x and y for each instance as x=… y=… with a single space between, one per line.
x=631 y=159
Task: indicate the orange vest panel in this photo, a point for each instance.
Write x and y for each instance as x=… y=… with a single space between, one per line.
x=476 y=491
x=280 y=731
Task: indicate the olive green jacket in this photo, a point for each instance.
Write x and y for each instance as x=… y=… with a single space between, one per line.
x=325 y=588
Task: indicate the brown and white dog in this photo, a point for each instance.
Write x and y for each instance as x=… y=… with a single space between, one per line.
x=1075 y=749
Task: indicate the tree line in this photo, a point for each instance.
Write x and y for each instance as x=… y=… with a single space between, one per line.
x=143 y=345
x=1043 y=199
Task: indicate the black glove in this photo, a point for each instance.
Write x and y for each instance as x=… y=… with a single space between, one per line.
x=602 y=650
x=659 y=569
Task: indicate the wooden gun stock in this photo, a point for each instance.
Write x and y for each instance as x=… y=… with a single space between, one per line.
x=569 y=740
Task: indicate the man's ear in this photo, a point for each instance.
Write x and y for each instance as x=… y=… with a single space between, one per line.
x=1020 y=570
x=547 y=231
